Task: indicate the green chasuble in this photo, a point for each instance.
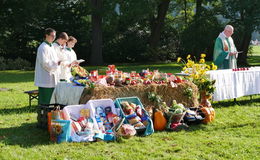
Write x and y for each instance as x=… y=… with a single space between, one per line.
x=220 y=55
x=45 y=95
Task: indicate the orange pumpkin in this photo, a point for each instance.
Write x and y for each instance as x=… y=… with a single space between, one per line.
x=209 y=113
x=159 y=121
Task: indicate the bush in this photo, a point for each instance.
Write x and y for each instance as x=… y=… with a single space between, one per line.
x=17 y=64
x=2 y=63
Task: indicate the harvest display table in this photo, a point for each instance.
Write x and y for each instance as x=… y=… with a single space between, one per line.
x=69 y=94
x=233 y=84
x=66 y=94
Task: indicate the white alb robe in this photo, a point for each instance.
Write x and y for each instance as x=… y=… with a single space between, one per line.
x=46 y=67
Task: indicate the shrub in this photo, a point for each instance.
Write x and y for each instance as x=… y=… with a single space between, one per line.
x=17 y=64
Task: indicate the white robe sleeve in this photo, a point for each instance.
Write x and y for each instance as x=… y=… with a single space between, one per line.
x=45 y=60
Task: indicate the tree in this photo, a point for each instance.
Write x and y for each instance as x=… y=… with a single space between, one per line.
x=245 y=17
x=96 y=21
x=158 y=22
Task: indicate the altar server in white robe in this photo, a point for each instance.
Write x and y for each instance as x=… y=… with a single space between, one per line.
x=46 y=67
x=60 y=48
x=71 y=58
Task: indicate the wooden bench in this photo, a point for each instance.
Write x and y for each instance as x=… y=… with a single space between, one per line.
x=33 y=94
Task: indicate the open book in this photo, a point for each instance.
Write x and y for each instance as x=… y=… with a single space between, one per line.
x=80 y=60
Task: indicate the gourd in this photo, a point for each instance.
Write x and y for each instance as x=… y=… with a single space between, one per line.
x=209 y=113
x=159 y=121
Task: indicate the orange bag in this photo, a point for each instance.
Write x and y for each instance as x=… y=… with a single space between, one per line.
x=49 y=122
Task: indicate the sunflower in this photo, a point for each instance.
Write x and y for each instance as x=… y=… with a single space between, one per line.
x=202 y=60
x=57 y=129
x=203 y=55
x=179 y=59
x=214 y=67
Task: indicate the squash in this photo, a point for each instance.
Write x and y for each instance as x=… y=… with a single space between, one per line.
x=209 y=113
x=159 y=121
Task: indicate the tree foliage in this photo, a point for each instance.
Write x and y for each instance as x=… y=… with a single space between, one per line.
x=131 y=31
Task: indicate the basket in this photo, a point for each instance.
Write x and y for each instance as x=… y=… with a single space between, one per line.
x=140 y=131
x=42 y=114
x=177 y=117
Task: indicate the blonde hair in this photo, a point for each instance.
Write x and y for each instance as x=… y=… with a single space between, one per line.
x=73 y=39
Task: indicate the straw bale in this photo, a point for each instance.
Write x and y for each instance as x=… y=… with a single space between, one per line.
x=164 y=90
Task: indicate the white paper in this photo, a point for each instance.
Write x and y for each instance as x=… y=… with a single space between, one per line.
x=80 y=60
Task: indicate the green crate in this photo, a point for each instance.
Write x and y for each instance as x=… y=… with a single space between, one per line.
x=149 y=128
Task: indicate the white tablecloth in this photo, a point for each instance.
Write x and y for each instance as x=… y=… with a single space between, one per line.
x=66 y=94
x=233 y=84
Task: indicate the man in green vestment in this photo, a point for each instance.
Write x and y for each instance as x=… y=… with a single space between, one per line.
x=225 y=52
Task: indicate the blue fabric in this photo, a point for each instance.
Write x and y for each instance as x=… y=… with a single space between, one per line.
x=66 y=130
x=105 y=137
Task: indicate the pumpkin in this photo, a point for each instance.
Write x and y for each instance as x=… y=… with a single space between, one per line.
x=159 y=121
x=209 y=113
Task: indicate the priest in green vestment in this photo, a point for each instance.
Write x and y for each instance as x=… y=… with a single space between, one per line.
x=225 y=52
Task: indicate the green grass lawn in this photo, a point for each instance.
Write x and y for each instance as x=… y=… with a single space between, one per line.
x=254 y=58
x=235 y=133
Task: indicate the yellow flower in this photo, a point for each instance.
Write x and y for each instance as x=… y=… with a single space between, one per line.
x=196 y=76
x=214 y=67
x=202 y=72
x=188 y=56
x=203 y=55
x=202 y=80
x=179 y=59
x=189 y=65
x=202 y=60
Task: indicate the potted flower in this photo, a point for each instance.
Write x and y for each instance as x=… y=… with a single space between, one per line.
x=197 y=73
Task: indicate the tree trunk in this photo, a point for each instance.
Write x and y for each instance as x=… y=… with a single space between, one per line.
x=96 y=57
x=198 y=8
x=242 y=58
x=157 y=23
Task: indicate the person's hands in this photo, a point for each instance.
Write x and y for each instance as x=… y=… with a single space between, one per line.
x=232 y=53
x=74 y=63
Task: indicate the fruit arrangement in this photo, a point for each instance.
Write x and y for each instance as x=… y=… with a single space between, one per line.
x=79 y=71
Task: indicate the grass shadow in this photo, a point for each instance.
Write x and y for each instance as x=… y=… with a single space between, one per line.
x=26 y=135
x=239 y=101
x=254 y=60
x=26 y=109
x=16 y=76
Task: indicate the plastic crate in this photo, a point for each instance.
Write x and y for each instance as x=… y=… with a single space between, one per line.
x=149 y=128
x=42 y=114
x=103 y=103
x=75 y=111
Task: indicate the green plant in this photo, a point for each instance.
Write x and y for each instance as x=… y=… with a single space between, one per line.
x=198 y=74
x=188 y=92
